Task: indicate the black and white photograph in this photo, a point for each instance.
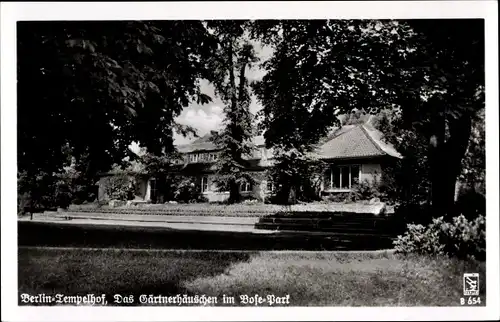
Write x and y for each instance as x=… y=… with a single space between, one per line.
x=244 y=161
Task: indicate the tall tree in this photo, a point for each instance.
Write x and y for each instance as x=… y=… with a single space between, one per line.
x=234 y=56
x=96 y=87
x=407 y=180
x=453 y=52
x=286 y=121
x=431 y=71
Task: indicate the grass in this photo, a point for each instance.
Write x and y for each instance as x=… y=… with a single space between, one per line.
x=126 y=272
x=310 y=279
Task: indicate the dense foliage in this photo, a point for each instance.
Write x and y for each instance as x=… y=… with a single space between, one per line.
x=44 y=191
x=186 y=190
x=104 y=85
x=120 y=187
x=95 y=87
x=431 y=73
x=408 y=180
x=458 y=237
x=296 y=175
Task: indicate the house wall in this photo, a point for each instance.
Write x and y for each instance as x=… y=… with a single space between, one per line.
x=367 y=172
x=212 y=195
x=258 y=188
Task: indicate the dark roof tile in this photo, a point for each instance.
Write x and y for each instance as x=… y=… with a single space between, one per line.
x=350 y=141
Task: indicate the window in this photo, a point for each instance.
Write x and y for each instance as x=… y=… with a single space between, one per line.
x=204 y=184
x=341 y=177
x=270 y=186
x=246 y=186
x=355 y=174
x=345 y=176
x=193 y=157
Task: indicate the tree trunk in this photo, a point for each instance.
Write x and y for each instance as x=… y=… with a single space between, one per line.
x=286 y=196
x=292 y=196
x=446 y=161
x=234 y=192
x=287 y=193
x=456 y=147
x=438 y=158
x=241 y=84
x=283 y=194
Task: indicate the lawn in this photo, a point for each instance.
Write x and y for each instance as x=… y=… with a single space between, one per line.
x=309 y=278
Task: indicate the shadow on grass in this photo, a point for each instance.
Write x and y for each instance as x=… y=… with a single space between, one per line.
x=124 y=272
x=81 y=235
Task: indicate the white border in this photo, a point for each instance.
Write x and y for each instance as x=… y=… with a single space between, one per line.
x=12 y=12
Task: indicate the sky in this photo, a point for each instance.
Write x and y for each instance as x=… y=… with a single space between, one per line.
x=208 y=117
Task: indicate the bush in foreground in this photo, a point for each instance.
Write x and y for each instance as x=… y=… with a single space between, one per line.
x=460 y=238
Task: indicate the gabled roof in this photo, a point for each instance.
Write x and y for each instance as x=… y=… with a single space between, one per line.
x=346 y=142
x=200 y=144
x=210 y=167
x=205 y=144
x=378 y=139
x=355 y=141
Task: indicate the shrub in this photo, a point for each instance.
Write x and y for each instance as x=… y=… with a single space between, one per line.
x=460 y=238
x=250 y=201
x=365 y=190
x=187 y=191
x=23 y=203
x=337 y=197
x=120 y=187
x=470 y=203
x=296 y=176
x=368 y=190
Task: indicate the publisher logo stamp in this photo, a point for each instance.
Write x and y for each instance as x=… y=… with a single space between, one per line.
x=471 y=284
